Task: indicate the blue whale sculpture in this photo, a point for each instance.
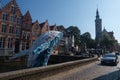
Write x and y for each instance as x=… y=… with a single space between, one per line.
x=39 y=53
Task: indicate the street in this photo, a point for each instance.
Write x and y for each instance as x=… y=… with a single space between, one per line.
x=93 y=71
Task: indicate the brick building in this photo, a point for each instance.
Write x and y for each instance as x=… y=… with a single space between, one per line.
x=17 y=31
x=44 y=27
x=26 y=31
x=37 y=29
x=10 y=27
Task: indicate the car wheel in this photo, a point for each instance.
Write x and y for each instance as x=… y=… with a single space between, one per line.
x=102 y=63
x=115 y=63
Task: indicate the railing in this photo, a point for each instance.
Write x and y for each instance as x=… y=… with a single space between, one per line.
x=42 y=72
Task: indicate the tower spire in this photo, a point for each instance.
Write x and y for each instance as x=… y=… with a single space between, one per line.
x=98 y=26
x=97 y=13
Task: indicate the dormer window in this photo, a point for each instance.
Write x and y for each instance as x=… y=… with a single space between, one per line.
x=13 y=9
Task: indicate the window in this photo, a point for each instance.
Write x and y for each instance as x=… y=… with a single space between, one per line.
x=24 y=35
x=12 y=9
x=27 y=45
x=28 y=36
x=2 y=42
x=12 y=18
x=33 y=41
x=34 y=34
x=11 y=30
x=5 y=16
x=36 y=27
x=18 y=31
x=19 y=20
x=28 y=26
x=10 y=42
x=23 y=45
x=47 y=27
x=4 y=27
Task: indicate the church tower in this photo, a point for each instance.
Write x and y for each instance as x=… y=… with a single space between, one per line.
x=98 y=27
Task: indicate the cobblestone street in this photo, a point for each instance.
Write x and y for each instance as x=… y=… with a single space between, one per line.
x=93 y=71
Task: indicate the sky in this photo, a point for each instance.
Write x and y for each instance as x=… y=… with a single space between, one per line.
x=80 y=13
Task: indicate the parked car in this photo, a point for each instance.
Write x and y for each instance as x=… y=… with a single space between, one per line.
x=109 y=58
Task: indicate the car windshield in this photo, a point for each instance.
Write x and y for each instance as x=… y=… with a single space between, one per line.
x=109 y=55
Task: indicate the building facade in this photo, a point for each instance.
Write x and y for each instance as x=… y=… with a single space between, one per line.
x=44 y=27
x=35 y=31
x=26 y=31
x=17 y=31
x=10 y=28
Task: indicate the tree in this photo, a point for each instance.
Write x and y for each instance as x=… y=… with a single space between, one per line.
x=61 y=28
x=86 y=39
x=91 y=43
x=73 y=30
x=106 y=41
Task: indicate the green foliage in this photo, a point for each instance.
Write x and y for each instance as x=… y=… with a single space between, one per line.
x=61 y=28
x=107 y=41
x=74 y=30
x=91 y=43
x=79 y=39
x=86 y=39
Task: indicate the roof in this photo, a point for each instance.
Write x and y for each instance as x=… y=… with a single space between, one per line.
x=35 y=22
x=27 y=14
x=52 y=27
x=42 y=24
x=104 y=30
x=5 y=3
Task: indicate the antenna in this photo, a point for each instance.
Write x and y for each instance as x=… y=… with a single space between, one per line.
x=97 y=6
x=97 y=1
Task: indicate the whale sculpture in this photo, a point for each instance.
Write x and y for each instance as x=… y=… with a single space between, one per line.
x=39 y=53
